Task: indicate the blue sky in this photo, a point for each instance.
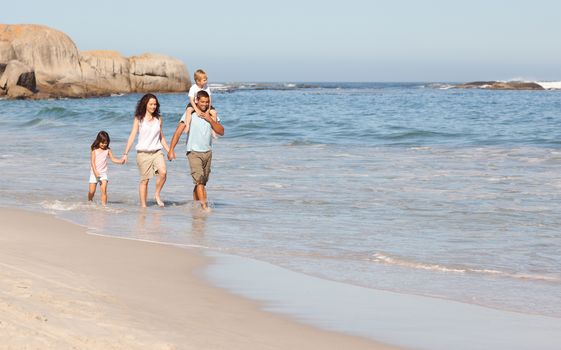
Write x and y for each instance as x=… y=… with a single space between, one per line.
x=350 y=40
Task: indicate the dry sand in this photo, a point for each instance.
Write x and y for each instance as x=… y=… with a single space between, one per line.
x=61 y=288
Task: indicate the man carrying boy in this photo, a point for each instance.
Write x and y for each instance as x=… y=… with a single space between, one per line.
x=199 y=144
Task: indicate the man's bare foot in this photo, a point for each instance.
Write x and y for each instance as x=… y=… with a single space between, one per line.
x=205 y=207
x=159 y=201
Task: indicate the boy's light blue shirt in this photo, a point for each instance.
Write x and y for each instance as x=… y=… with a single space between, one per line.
x=199 y=138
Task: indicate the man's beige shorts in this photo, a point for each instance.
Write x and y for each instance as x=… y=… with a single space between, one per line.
x=149 y=163
x=199 y=162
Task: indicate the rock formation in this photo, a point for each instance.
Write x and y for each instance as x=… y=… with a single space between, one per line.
x=17 y=73
x=154 y=72
x=40 y=62
x=501 y=85
x=105 y=71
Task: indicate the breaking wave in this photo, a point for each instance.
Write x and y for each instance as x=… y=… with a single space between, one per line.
x=398 y=261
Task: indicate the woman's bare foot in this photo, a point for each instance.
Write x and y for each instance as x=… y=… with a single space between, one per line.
x=159 y=201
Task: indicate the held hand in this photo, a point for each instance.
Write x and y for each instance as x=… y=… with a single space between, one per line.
x=171 y=155
x=124 y=158
x=206 y=116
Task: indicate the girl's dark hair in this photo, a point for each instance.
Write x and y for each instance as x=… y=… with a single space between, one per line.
x=102 y=136
x=141 y=107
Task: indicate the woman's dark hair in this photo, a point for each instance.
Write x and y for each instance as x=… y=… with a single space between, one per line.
x=102 y=136
x=141 y=107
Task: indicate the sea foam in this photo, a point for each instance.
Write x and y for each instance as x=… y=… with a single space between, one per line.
x=550 y=85
x=397 y=261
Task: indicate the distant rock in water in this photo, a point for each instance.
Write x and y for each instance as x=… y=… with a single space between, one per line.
x=39 y=62
x=501 y=85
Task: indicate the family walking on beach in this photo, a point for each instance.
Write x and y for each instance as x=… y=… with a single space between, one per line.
x=200 y=121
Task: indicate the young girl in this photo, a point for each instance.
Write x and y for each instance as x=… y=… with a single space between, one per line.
x=98 y=164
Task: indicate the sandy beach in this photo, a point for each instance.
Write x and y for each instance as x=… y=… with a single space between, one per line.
x=61 y=288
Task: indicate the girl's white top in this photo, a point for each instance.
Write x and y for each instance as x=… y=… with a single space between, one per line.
x=149 y=135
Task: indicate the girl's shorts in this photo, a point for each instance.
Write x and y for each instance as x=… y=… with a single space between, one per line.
x=94 y=180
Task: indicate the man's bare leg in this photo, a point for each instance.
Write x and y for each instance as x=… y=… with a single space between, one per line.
x=200 y=189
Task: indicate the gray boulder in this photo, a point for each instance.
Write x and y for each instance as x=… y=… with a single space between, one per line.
x=6 y=52
x=105 y=72
x=154 y=72
x=52 y=55
x=17 y=73
x=19 y=92
x=501 y=85
x=50 y=64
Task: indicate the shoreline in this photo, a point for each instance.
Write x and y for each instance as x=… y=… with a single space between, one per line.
x=406 y=320
x=64 y=288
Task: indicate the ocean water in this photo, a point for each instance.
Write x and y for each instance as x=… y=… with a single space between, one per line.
x=404 y=187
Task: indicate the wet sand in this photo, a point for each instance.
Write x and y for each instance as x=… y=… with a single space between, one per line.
x=61 y=288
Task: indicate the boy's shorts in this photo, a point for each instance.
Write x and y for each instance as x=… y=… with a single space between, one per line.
x=95 y=180
x=199 y=162
x=149 y=163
